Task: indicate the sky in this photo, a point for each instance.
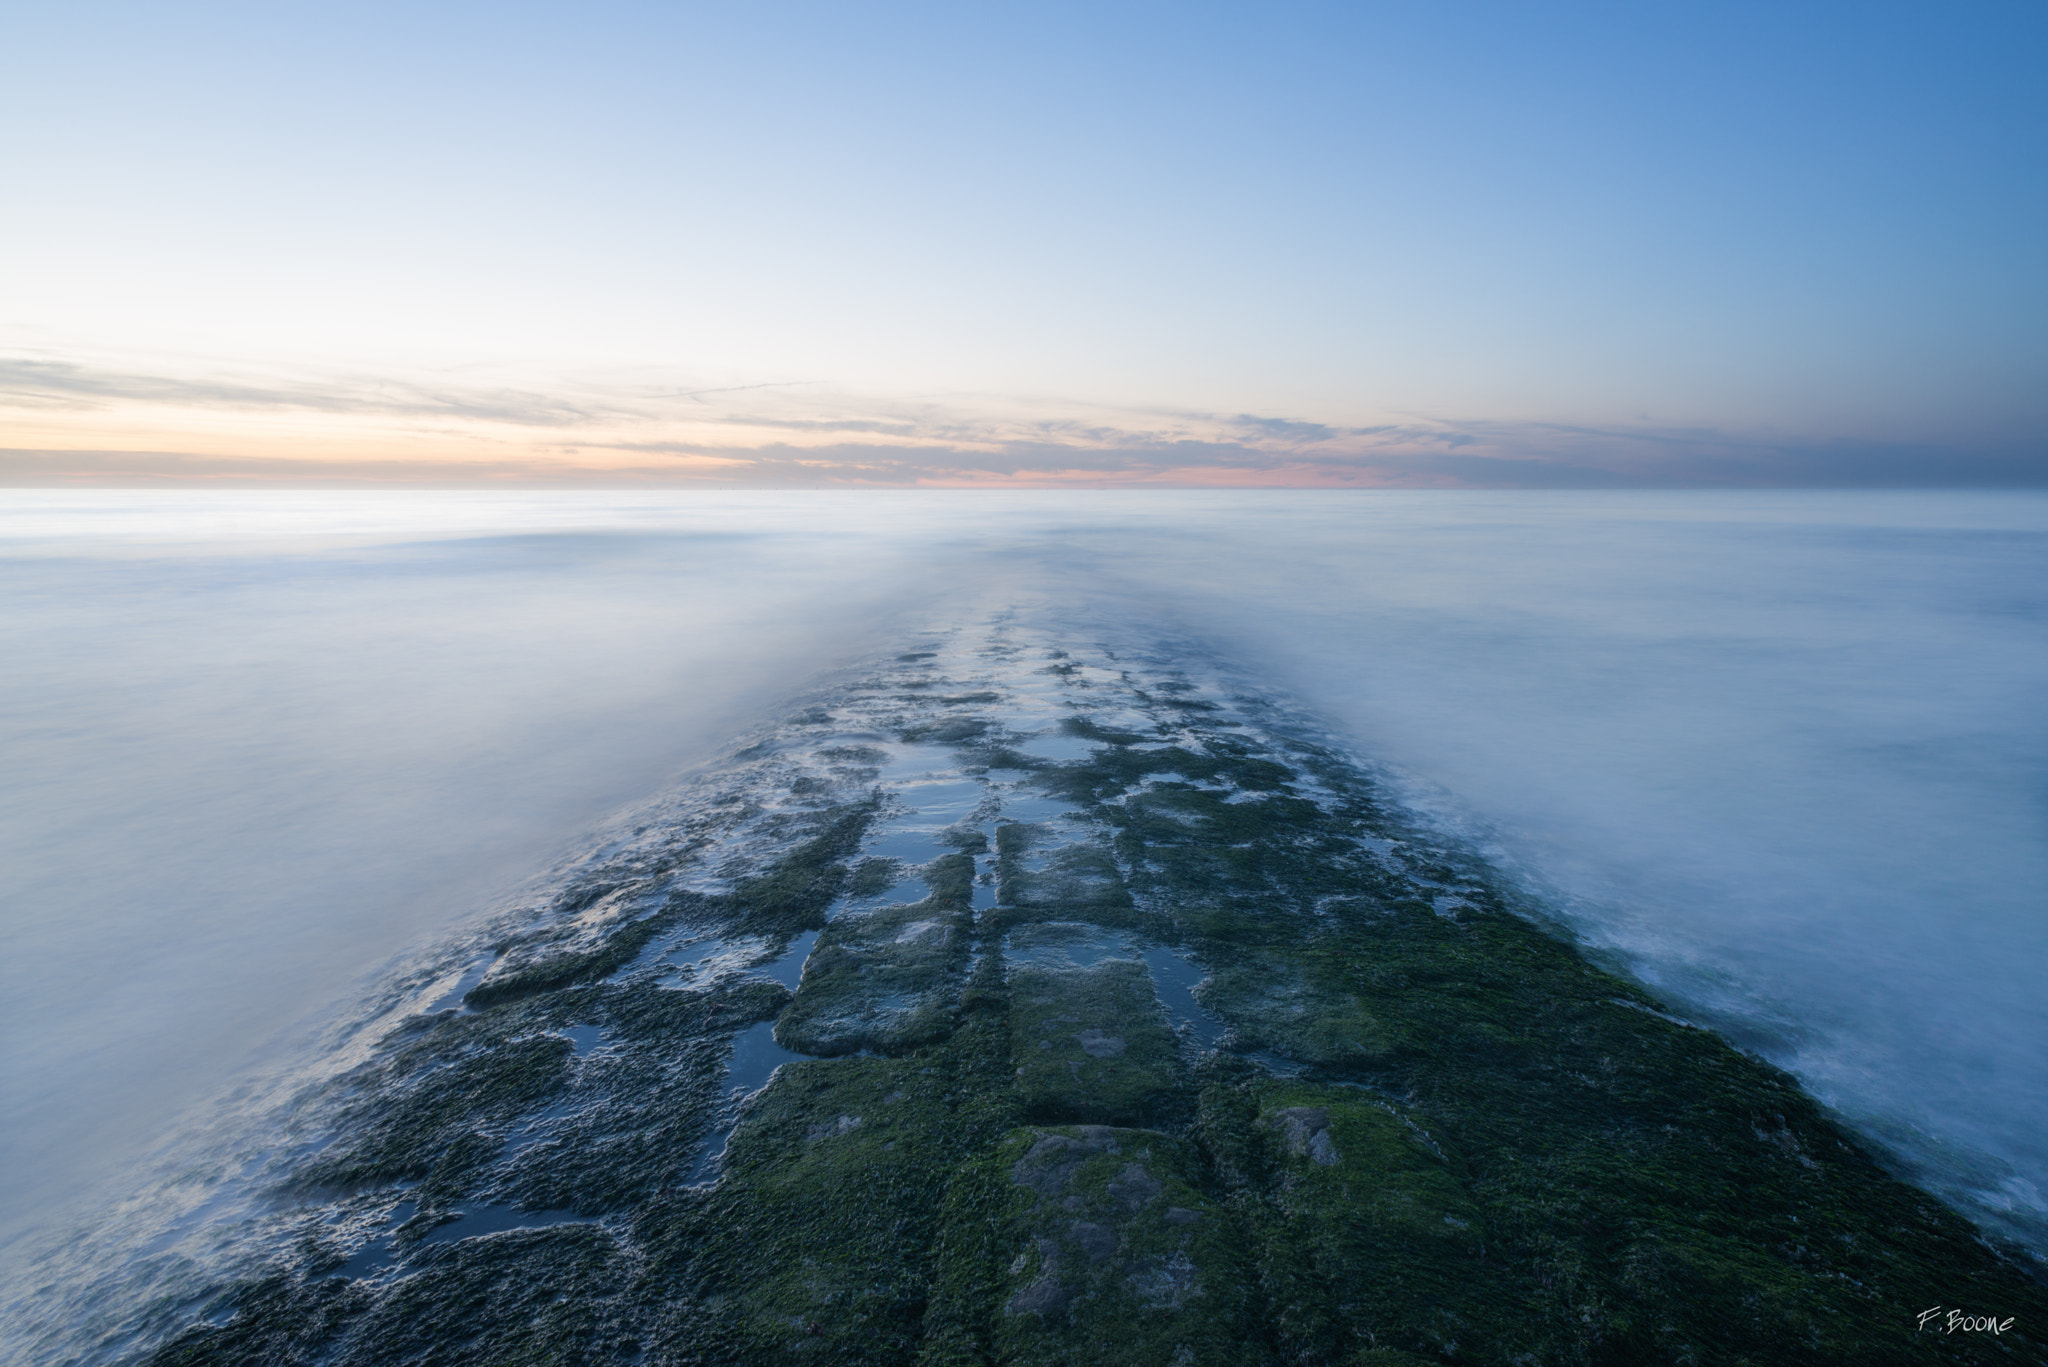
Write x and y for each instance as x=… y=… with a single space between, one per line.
x=1444 y=243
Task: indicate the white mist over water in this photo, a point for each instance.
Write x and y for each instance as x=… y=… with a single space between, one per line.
x=1786 y=755
x=252 y=746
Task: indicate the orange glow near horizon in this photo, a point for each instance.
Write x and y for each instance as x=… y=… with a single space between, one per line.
x=367 y=434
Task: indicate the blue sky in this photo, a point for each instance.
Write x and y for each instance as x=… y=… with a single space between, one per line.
x=1366 y=243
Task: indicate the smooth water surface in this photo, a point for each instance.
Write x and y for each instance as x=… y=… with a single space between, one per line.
x=1784 y=755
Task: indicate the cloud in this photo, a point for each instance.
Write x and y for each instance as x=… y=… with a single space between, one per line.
x=613 y=430
x=1281 y=429
x=28 y=383
x=34 y=469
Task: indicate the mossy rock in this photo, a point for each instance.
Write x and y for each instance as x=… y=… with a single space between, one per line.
x=533 y=1296
x=1425 y=1137
x=831 y=1189
x=1079 y=879
x=546 y=1296
x=429 y=1115
x=1367 y=1238
x=1086 y=1244
x=601 y=941
x=1296 y=1005
x=1092 y=1044
x=1063 y=938
x=887 y=979
x=818 y=1242
x=655 y=1090
x=795 y=891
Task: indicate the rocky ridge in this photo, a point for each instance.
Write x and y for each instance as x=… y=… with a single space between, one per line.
x=1039 y=1002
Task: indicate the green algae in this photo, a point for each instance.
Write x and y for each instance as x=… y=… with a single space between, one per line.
x=438 y=1109
x=1089 y=1244
x=818 y=1240
x=631 y=1108
x=1297 y=1005
x=1366 y=1237
x=546 y=967
x=834 y=1178
x=886 y=979
x=475 y=1301
x=1091 y=1044
x=430 y=1115
x=872 y=877
x=793 y=894
x=1078 y=879
x=788 y=897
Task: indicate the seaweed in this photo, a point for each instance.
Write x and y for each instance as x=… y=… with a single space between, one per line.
x=1091 y=1044
x=887 y=979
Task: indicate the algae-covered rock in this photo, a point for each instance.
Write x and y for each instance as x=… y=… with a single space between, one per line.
x=1063 y=942
x=832 y=1184
x=794 y=891
x=885 y=979
x=1367 y=1238
x=537 y=1295
x=819 y=1240
x=606 y=924
x=1090 y=1244
x=431 y=1113
x=1396 y=1124
x=1092 y=1044
x=1293 y=1004
x=634 y=1104
x=556 y=1295
x=1040 y=872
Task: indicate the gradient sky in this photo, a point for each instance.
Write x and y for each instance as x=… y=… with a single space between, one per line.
x=1435 y=242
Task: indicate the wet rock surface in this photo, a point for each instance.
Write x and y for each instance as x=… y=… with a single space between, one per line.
x=887 y=978
x=1070 y=1066
x=1036 y=1001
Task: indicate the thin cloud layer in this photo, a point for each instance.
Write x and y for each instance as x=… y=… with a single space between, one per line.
x=73 y=422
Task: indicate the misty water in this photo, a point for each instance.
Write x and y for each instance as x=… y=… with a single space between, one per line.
x=1783 y=757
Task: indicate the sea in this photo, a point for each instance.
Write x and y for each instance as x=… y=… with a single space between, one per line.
x=1780 y=756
